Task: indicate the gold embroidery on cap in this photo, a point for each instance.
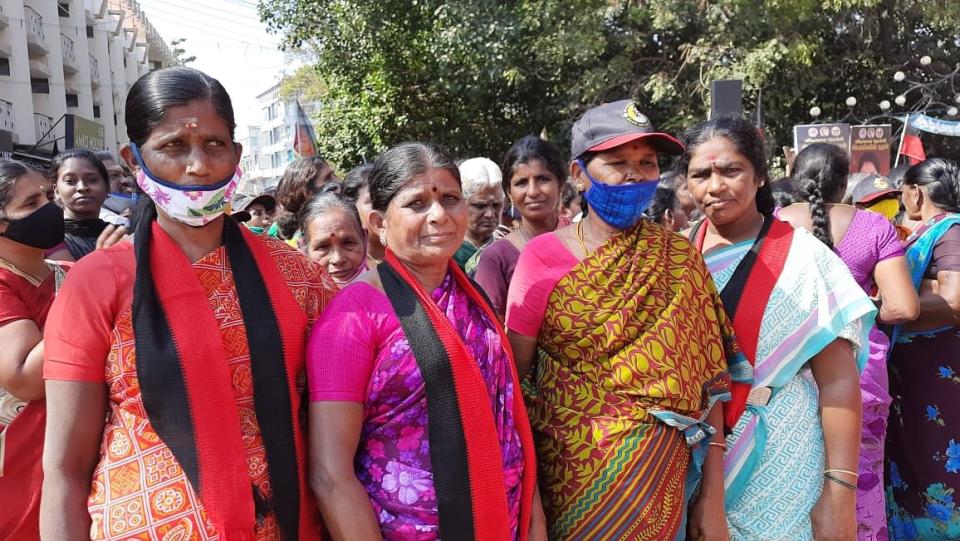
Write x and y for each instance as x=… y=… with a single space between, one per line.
x=634 y=116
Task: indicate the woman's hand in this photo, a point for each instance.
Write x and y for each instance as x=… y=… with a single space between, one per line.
x=835 y=369
x=708 y=520
x=538 y=520
x=834 y=517
x=334 y=433
x=76 y=412
x=111 y=235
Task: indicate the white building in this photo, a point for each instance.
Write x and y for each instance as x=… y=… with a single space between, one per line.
x=65 y=68
x=268 y=148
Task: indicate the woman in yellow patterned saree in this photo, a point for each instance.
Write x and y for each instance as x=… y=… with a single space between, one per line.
x=633 y=351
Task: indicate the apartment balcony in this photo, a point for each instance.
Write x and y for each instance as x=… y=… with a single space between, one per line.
x=4 y=17
x=69 y=51
x=36 y=37
x=43 y=124
x=94 y=71
x=39 y=69
x=6 y=115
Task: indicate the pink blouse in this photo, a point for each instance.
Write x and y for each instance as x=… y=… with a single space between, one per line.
x=543 y=262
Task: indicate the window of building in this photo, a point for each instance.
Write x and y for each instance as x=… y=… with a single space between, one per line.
x=73 y=100
x=40 y=86
x=63 y=9
x=96 y=111
x=273 y=111
x=4 y=66
x=89 y=31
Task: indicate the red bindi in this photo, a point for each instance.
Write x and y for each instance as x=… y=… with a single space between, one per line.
x=434 y=189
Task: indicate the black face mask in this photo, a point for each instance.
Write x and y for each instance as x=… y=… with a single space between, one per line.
x=41 y=229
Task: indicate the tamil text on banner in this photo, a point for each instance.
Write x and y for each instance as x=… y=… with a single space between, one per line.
x=870 y=149
x=834 y=134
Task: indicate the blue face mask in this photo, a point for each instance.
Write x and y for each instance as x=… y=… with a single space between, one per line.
x=621 y=205
x=121 y=195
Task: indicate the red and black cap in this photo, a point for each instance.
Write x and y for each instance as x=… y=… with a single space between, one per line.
x=871 y=189
x=617 y=123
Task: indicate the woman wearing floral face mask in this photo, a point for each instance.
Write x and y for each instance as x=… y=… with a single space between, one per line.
x=632 y=342
x=192 y=341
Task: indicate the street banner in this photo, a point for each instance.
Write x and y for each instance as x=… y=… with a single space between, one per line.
x=870 y=149
x=929 y=124
x=835 y=134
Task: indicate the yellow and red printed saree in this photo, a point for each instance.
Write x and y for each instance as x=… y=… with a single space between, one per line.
x=634 y=350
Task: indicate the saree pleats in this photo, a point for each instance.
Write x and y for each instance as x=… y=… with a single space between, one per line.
x=634 y=351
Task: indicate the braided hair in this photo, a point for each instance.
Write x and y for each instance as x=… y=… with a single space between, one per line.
x=820 y=171
x=941 y=178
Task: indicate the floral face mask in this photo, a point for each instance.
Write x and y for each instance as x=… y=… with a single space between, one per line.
x=193 y=205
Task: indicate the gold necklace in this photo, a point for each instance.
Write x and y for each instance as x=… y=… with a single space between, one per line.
x=523 y=237
x=33 y=279
x=580 y=238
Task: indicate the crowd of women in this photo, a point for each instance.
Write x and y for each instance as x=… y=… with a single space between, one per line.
x=592 y=348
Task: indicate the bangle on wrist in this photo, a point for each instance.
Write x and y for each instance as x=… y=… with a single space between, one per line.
x=848 y=472
x=840 y=482
x=721 y=445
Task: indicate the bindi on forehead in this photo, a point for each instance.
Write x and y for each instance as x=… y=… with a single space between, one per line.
x=433 y=189
x=721 y=163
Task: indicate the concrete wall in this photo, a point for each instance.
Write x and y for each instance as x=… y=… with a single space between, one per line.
x=99 y=70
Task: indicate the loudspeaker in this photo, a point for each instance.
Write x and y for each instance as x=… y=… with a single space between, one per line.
x=726 y=98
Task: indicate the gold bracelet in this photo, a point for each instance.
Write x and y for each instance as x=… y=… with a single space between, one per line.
x=848 y=472
x=840 y=482
x=718 y=444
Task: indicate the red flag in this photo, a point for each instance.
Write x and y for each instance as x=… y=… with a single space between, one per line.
x=910 y=144
x=304 y=142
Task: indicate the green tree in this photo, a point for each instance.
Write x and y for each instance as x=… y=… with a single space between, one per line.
x=179 y=52
x=475 y=75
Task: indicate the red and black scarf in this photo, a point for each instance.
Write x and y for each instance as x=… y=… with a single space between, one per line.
x=746 y=295
x=464 y=445
x=185 y=381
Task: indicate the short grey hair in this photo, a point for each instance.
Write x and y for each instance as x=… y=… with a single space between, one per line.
x=478 y=174
x=320 y=205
